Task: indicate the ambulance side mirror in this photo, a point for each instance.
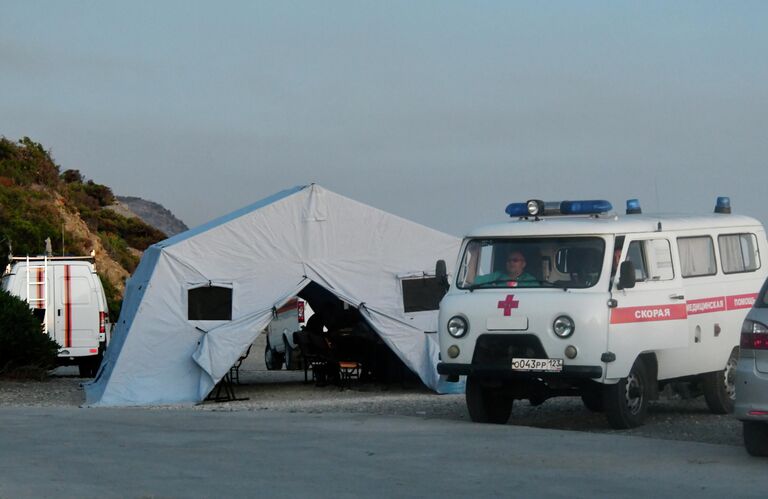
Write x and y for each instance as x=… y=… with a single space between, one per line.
x=441 y=273
x=626 y=275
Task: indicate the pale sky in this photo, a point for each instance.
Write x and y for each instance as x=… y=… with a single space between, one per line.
x=441 y=112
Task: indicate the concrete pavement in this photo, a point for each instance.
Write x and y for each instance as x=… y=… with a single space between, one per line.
x=105 y=453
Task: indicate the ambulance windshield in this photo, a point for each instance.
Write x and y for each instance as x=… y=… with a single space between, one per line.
x=543 y=262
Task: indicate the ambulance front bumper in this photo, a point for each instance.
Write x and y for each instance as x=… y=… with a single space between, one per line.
x=568 y=372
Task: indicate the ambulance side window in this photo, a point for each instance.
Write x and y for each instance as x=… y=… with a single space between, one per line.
x=738 y=253
x=697 y=256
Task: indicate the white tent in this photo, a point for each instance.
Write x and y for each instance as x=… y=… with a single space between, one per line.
x=261 y=256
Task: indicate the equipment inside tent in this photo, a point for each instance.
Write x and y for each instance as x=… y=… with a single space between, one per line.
x=198 y=300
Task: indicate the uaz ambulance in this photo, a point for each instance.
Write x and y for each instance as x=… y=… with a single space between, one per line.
x=573 y=299
x=68 y=297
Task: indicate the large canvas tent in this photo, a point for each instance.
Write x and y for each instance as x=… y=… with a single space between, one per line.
x=167 y=349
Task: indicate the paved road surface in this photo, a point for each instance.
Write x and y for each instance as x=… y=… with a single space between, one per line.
x=104 y=453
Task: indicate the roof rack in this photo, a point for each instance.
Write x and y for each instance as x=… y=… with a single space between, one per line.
x=51 y=258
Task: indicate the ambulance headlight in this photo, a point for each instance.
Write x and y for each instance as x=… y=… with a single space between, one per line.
x=563 y=326
x=457 y=326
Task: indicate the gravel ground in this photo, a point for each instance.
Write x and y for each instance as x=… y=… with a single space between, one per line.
x=670 y=418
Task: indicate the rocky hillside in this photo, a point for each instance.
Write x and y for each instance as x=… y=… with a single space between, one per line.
x=39 y=201
x=154 y=214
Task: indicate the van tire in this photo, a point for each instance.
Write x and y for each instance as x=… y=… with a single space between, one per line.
x=290 y=355
x=626 y=402
x=756 y=438
x=720 y=387
x=89 y=366
x=486 y=404
x=272 y=359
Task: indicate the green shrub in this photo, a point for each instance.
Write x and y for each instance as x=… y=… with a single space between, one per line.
x=113 y=301
x=26 y=349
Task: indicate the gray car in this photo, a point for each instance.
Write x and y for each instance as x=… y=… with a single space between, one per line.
x=752 y=377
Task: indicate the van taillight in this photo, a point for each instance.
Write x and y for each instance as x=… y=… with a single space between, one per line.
x=300 y=309
x=754 y=335
x=102 y=322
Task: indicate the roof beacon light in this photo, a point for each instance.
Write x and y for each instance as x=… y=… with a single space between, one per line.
x=517 y=209
x=723 y=205
x=633 y=207
x=589 y=207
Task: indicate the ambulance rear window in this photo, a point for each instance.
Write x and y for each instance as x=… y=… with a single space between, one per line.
x=738 y=253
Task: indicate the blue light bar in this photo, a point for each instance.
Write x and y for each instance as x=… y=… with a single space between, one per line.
x=633 y=207
x=723 y=205
x=589 y=207
x=517 y=210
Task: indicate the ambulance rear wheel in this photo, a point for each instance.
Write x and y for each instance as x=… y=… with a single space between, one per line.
x=626 y=402
x=720 y=387
x=487 y=404
x=290 y=355
x=272 y=359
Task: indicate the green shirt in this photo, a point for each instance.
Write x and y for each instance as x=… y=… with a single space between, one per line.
x=500 y=279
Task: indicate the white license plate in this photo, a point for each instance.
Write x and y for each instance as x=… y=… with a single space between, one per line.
x=550 y=365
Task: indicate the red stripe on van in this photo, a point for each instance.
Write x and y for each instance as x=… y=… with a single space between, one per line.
x=39 y=274
x=648 y=313
x=706 y=305
x=741 y=301
x=67 y=307
x=291 y=305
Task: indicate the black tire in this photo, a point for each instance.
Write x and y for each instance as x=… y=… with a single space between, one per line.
x=272 y=359
x=756 y=438
x=290 y=355
x=486 y=404
x=626 y=402
x=88 y=366
x=592 y=398
x=720 y=387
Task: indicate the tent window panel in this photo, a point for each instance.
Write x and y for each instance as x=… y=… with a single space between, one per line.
x=209 y=303
x=697 y=256
x=738 y=253
x=421 y=295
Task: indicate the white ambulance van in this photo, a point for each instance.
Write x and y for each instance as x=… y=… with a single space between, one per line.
x=572 y=299
x=68 y=297
x=280 y=347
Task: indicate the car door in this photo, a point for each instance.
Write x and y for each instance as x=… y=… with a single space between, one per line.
x=76 y=312
x=652 y=314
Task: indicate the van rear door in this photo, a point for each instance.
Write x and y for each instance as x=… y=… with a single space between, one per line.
x=76 y=311
x=652 y=315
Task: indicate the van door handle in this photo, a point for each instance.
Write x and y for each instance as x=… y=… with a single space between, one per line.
x=676 y=297
x=59 y=312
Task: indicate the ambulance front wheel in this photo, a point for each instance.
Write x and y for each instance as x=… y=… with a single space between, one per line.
x=720 y=387
x=626 y=402
x=487 y=404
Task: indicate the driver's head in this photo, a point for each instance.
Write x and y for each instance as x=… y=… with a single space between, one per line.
x=515 y=263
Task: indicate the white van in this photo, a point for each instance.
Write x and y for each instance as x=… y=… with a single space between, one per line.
x=280 y=347
x=541 y=307
x=67 y=295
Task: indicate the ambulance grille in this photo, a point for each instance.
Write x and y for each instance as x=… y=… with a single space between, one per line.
x=491 y=349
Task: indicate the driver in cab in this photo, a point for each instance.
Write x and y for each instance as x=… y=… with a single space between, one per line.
x=513 y=275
